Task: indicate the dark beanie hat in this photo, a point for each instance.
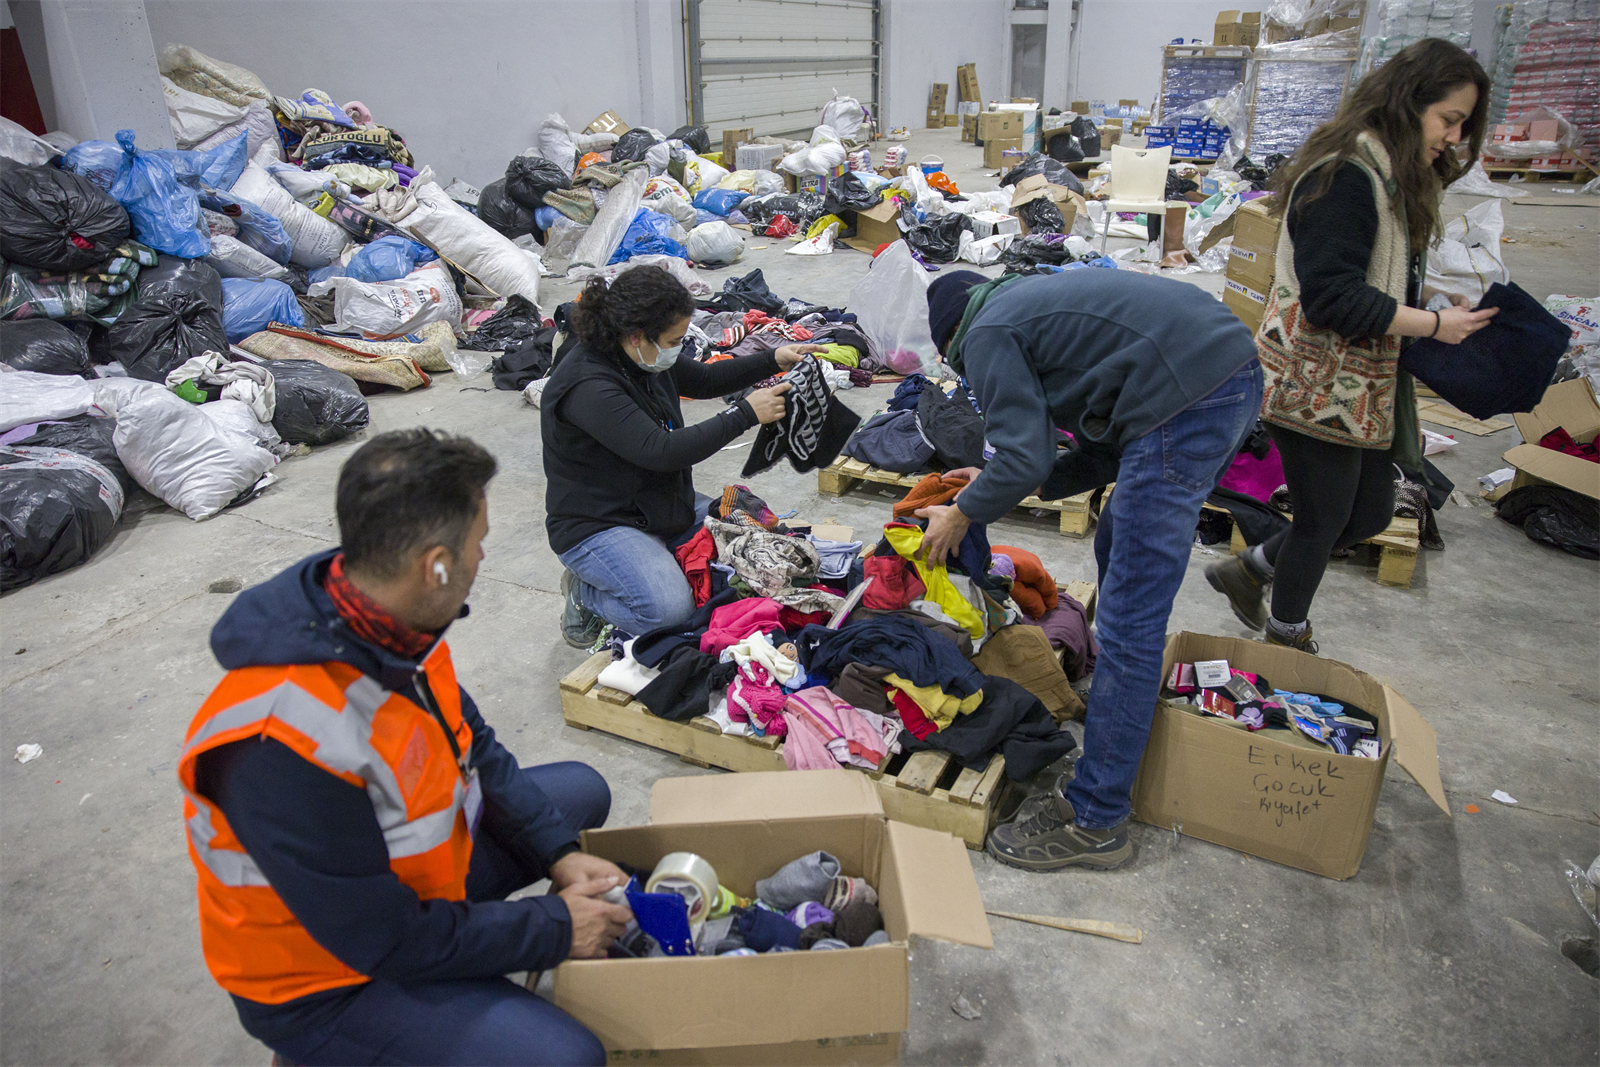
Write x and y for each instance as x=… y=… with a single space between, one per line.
x=947 y=302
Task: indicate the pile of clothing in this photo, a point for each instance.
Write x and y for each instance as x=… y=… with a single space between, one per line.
x=851 y=659
x=746 y=318
x=1214 y=689
x=923 y=428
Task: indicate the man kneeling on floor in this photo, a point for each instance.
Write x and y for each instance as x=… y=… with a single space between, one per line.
x=355 y=824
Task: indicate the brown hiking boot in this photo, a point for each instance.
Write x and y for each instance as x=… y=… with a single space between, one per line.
x=1245 y=590
x=1300 y=642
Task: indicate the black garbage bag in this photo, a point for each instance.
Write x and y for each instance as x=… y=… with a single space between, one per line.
x=89 y=436
x=1088 y=135
x=1031 y=251
x=1251 y=172
x=761 y=209
x=45 y=347
x=631 y=146
x=172 y=274
x=743 y=294
x=1065 y=147
x=939 y=239
x=1555 y=516
x=1042 y=216
x=528 y=178
x=847 y=192
x=316 y=405
x=1055 y=172
x=506 y=328
x=56 y=220
x=58 y=506
x=695 y=137
x=1273 y=162
x=163 y=330
x=526 y=361
x=503 y=213
x=1177 y=186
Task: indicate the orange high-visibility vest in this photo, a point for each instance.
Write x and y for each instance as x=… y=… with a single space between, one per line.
x=424 y=795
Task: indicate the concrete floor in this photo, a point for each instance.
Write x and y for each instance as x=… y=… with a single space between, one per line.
x=1444 y=948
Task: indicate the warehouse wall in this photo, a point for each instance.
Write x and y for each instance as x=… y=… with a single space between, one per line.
x=926 y=40
x=468 y=82
x=1120 y=54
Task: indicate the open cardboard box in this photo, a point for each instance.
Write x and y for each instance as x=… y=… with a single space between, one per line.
x=1306 y=807
x=845 y=1006
x=876 y=226
x=1035 y=186
x=1569 y=405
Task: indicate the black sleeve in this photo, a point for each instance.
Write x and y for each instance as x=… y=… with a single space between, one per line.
x=604 y=410
x=317 y=840
x=707 y=381
x=515 y=809
x=1333 y=238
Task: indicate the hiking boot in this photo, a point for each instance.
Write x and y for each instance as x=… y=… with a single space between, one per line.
x=1036 y=803
x=1049 y=840
x=1245 y=590
x=579 y=626
x=1301 y=642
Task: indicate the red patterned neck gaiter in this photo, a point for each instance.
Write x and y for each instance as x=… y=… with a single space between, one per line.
x=369 y=620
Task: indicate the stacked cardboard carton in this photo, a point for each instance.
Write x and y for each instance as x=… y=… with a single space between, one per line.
x=937 y=98
x=1252 y=261
x=1237 y=28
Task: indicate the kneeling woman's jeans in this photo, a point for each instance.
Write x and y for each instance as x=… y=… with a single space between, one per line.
x=631 y=579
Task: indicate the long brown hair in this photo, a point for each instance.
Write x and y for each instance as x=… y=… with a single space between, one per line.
x=1389 y=103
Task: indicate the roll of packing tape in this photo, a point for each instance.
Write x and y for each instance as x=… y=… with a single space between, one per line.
x=690 y=877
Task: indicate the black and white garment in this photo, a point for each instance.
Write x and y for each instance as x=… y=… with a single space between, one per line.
x=814 y=427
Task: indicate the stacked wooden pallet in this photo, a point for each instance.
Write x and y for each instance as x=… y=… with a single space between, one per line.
x=844 y=473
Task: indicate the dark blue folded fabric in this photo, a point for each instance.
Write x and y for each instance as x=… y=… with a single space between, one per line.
x=1504 y=367
x=891 y=441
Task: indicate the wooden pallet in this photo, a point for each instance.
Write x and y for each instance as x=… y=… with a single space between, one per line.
x=927 y=789
x=1577 y=175
x=844 y=473
x=1397 y=550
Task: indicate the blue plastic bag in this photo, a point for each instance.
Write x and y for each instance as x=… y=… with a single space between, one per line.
x=220 y=167
x=248 y=304
x=719 y=201
x=648 y=235
x=322 y=274
x=257 y=229
x=99 y=161
x=387 y=259
x=165 y=211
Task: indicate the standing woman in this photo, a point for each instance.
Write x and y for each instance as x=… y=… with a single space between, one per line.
x=1360 y=201
x=618 y=459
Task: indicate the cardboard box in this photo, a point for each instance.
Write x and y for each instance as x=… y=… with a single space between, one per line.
x=609 y=122
x=939 y=96
x=847 y=1006
x=994 y=146
x=1254 y=258
x=1127 y=103
x=876 y=226
x=952 y=120
x=936 y=117
x=1080 y=108
x=967 y=82
x=1000 y=125
x=1571 y=406
x=969 y=128
x=1035 y=186
x=990 y=223
x=758 y=156
x=1249 y=28
x=1248 y=303
x=732 y=139
x=1300 y=805
x=1226 y=29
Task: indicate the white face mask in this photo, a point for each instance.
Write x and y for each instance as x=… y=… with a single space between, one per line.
x=665 y=358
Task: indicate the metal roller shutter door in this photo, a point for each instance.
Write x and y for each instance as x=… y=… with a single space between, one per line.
x=772 y=64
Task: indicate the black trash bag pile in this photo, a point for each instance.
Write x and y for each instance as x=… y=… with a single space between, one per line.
x=749 y=292
x=316 y=405
x=55 y=220
x=502 y=213
x=528 y=361
x=1065 y=148
x=847 y=192
x=506 y=328
x=1087 y=135
x=61 y=493
x=1042 y=216
x=631 y=146
x=1555 y=516
x=695 y=137
x=1260 y=174
x=939 y=239
x=1028 y=253
x=1177 y=186
x=528 y=178
x=1055 y=172
x=176 y=316
x=45 y=347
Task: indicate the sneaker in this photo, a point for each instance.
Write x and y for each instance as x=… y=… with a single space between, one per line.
x=1245 y=590
x=1049 y=840
x=1036 y=803
x=1300 y=642
x=579 y=626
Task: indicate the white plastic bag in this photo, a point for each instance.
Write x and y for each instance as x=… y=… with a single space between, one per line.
x=27 y=396
x=669 y=203
x=178 y=452
x=611 y=222
x=317 y=242
x=820 y=245
x=1475 y=182
x=985 y=251
x=17 y=143
x=235 y=415
x=891 y=306
x=700 y=173
x=822 y=154
x=1467 y=258
x=715 y=244
x=232 y=258
x=381 y=311
x=467 y=363
x=195 y=117
x=1197 y=227
x=471 y=244
x=845 y=114
x=556 y=143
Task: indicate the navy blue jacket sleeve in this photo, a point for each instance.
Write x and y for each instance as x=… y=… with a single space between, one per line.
x=317 y=840
x=521 y=817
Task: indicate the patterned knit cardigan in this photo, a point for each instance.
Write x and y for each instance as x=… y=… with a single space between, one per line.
x=1338 y=389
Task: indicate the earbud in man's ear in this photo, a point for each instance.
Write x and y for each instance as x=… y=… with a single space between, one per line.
x=444 y=575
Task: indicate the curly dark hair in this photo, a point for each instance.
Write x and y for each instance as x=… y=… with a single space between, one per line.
x=644 y=300
x=1390 y=103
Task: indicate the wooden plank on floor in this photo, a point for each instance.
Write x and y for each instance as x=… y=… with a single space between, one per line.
x=966 y=782
x=633 y=723
x=582 y=678
x=936 y=811
x=1395 y=567
x=991 y=781
x=922 y=771
x=611 y=696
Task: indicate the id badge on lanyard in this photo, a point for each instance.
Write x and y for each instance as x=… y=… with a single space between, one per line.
x=472 y=805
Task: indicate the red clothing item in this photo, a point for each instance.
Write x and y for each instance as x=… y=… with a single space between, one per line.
x=695 y=556
x=917 y=724
x=734 y=622
x=367 y=618
x=1034 y=590
x=896 y=584
x=792 y=620
x=1560 y=440
x=932 y=490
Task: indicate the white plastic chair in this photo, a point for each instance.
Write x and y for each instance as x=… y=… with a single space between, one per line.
x=1138 y=183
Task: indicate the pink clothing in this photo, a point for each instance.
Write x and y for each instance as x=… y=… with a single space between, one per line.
x=827 y=732
x=755 y=699
x=1254 y=477
x=734 y=622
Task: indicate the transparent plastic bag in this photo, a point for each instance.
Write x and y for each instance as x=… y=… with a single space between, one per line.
x=561 y=237
x=1566 y=137
x=891 y=306
x=604 y=235
x=1226 y=111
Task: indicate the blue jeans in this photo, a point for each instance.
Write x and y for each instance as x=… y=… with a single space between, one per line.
x=1142 y=550
x=631 y=579
x=470 y=1021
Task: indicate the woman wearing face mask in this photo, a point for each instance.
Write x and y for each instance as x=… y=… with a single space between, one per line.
x=618 y=459
x=1362 y=197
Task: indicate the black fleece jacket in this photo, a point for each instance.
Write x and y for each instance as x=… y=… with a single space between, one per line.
x=1333 y=237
